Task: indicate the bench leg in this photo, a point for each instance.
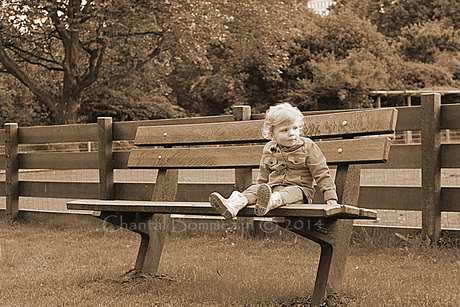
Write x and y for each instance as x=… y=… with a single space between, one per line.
x=153 y=229
x=334 y=238
x=322 y=275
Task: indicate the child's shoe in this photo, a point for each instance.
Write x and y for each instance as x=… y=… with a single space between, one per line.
x=228 y=207
x=266 y=200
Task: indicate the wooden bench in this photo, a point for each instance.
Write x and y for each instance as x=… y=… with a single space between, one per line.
x=343 y=137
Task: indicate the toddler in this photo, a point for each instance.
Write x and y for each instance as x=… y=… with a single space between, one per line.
x=288 y=166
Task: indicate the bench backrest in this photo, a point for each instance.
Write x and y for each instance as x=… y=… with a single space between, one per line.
x=346 y=139
x=194 y=145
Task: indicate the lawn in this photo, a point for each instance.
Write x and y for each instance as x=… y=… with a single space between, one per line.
x=49 y=264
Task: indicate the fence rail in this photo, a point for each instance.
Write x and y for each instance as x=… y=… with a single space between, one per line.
x=430 y=156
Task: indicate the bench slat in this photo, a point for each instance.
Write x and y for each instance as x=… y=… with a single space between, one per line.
x=356 y=123
x=204 y=208
x=365 y=150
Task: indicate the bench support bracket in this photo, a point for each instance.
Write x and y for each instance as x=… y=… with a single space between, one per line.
x=332 y=236
x=153 y=229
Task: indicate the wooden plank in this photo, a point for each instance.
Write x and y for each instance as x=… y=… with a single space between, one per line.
x=204 y=208
x=123 y=191
x=365 y=122
x=450 y=155
x=409 y=118
x=59 y=189
x=382 y=121
x=400 y=157
x=390 y=198
x=366 y=150
x=120 y=159
x=431 y=166
x=450 y=113
x=185 y=191
x=404 y=198
x=2 y=136
x=3 y=188
x=2 y=161
x=11 y=171
x=133 y=191
x=127 y=130
x=230 y=132
x=409 y=156
x=61 y=160
x=58 y=134
x=105 y=158
x=450 y=198
x=243 y=176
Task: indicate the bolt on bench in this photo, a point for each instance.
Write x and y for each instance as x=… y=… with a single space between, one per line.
x=343 y=137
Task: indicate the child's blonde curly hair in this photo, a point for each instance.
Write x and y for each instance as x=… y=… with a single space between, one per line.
x=278 y=114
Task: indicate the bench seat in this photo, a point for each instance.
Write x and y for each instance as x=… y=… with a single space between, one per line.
x=204 y=208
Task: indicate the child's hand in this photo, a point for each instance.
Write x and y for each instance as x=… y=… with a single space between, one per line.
x=332 y=202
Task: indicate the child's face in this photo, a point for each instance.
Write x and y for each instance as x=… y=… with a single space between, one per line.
x=286 y=134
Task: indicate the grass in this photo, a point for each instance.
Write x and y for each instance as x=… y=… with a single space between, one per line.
x=46 y=264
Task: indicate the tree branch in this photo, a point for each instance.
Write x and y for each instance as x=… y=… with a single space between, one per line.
x=139 y=65
x=95 y=62
x=13 y=69
x=40 y=61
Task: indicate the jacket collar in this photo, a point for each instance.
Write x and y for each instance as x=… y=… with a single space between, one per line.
x=278 y=148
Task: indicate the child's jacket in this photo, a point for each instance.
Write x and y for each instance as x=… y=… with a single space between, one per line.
x=297 y=165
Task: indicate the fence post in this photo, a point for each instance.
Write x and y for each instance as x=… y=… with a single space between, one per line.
x=11 y=170
x=243 y=176
x=431 y=166
x=105 y=138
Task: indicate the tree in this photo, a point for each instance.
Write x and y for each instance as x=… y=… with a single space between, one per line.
x=391 y=17
x=77 y=46
x=19 y=106
x=336 y=62
x=246 y=62
x=424 y=42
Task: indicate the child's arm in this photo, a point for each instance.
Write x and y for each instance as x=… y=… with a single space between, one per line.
x=316 y=162
x=264 y=172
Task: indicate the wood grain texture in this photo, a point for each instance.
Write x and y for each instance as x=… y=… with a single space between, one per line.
x=230 y=132
x=58 y=189
x=204 y=208
x=58 y=134
x=11 y=171
x=60 y=160
x=127 y=130
x=2 y=161
x=105 y=136
x=381 y=121
x=450 y=114
x=365 y=150
x=365 y=122
x=431 y=166
x=409 y=118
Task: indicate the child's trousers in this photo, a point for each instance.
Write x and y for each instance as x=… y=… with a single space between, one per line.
x=290 y=194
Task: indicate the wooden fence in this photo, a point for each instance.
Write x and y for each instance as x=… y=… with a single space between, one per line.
x=430 y=156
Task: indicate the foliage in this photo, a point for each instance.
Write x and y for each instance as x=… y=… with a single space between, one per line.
x=246 y=64
x=143 y=60
x=424 y=42
x=336 y=63
x=340 y=83
x=77 y=45
x=17 y=105
x=391 y=17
